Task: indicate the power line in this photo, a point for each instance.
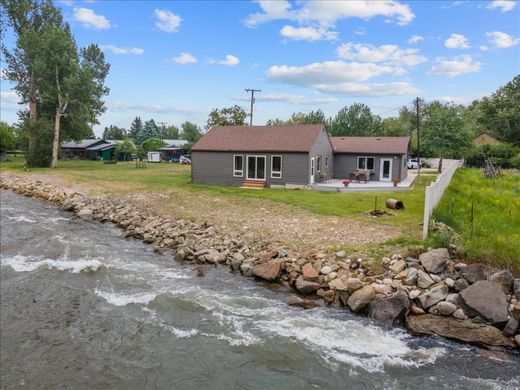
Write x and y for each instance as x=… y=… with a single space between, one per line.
x=162 y=124
x=252 y=102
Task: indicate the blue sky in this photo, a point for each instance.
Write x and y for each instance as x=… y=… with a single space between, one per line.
x=176 y=60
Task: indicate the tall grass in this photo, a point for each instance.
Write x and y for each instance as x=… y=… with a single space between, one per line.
x=493 y=233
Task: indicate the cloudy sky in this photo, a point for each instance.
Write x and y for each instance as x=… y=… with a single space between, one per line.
x=174 y=61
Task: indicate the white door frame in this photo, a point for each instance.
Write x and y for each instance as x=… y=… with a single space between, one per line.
x=313 y=169
x=381 y=162
x=256 y=166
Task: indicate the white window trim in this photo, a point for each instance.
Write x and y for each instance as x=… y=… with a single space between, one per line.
x=281 y=167
x=265 y=166
x=366 y=163
x=235 y=174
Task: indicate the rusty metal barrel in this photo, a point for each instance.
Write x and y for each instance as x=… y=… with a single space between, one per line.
x=394 y=204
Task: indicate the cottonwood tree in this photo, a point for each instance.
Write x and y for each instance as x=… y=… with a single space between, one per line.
x=190 y=132
x=171 y=132
x=443 y=132
x=228 y=116
x=30 y=20
x=355 y=120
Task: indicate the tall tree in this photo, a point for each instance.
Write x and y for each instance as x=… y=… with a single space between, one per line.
x=30 y=20
x=355 y=120
x=136 y=128
x=171 y=132
x=150 y=130
x=190 y=132
x=443 y=131
x=228 y=116
x=114 y=133
x=501 y=112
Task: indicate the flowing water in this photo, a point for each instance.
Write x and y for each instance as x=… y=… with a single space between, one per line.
x=82 y=308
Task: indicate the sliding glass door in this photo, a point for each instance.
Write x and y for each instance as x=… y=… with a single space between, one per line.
x=256 y=167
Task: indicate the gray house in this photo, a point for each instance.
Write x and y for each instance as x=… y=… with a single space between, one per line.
x=385 y=158
x=259 y=156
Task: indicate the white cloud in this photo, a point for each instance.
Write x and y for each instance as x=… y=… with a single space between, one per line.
x=9 y=96
x=483 y=48
x=457 y=41
x=288 y=98
x=339 y=77
x=185 y=58
x=455 y=66
x=391 y=54
x=327 y=12
x=360 y=31
x=229 y=60
x=118 y=106
x=135 y=51
x=415 y=39
x=167 y=20
x=504 y=5
x=308 y=33
x=501 y=39
x=88 y=18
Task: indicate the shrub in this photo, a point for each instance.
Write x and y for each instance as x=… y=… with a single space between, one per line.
x=503 y=155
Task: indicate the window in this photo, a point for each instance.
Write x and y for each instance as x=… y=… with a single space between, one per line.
x=256 y=167
x=326 y=161
x=276 y=167
x=238 y=166
x=365 y=163
x=318 y=163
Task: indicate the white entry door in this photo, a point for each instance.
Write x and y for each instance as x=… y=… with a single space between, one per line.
x=385 y=173
x=313 y=169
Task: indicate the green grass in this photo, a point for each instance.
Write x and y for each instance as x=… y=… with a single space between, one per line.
x=494 y=235
x=123 y=177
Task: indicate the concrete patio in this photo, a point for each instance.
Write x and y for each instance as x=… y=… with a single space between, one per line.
x=336 y=185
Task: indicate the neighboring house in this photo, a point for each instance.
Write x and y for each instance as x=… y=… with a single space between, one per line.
x=172 y=149
x=485 y=138
x=78 y=150
x=384 y=157
x=265 y=155
x=89 y=149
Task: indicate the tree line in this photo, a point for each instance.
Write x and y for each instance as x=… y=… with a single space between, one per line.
x=62 y=85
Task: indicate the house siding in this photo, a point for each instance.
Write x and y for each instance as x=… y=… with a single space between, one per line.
x=322 y=147
x=217 y=168
x=344 y=163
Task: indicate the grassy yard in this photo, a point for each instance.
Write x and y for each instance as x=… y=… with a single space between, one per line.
x=494 y=234
x=123 y=177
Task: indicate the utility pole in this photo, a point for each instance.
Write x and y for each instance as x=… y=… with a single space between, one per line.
x=162 y=124
x=418 y=138
x=252 y=102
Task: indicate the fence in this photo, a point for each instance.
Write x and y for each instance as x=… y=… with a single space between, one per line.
x=433 y=192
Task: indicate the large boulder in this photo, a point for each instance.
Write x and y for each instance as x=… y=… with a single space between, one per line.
x=423 y=279
x=473 y=272
x=433 y=296
x=435 y=260
x=361 y=298
x=487 y=300
x=268 y=271
x=391 y=310
x=446 y=308
x=309 y=273
x=306 y=287
x=504 y=278
x=462 y=330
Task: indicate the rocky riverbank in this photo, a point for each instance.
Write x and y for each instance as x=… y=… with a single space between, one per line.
x=432 y=294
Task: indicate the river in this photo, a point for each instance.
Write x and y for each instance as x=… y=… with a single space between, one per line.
x=82 y=308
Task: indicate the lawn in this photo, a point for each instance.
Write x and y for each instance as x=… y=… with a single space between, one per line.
x=494 y=234
x=123 y=177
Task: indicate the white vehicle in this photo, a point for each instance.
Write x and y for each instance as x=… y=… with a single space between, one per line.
x=413 y=163
x=185 y=160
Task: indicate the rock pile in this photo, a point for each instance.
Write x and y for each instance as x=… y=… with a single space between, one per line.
x=430 y=295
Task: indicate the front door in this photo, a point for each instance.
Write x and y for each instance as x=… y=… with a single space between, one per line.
x=256 y=167
x=385 y=173
x=313 y=170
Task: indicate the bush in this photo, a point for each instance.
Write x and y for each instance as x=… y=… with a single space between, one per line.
x=503 y=155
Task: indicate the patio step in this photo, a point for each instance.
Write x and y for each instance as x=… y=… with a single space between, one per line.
x=254 y=184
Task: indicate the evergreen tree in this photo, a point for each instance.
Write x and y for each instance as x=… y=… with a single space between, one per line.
x=136 y=129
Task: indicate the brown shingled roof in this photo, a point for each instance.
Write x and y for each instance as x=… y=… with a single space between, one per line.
x=371 y=145
x=286 y=138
